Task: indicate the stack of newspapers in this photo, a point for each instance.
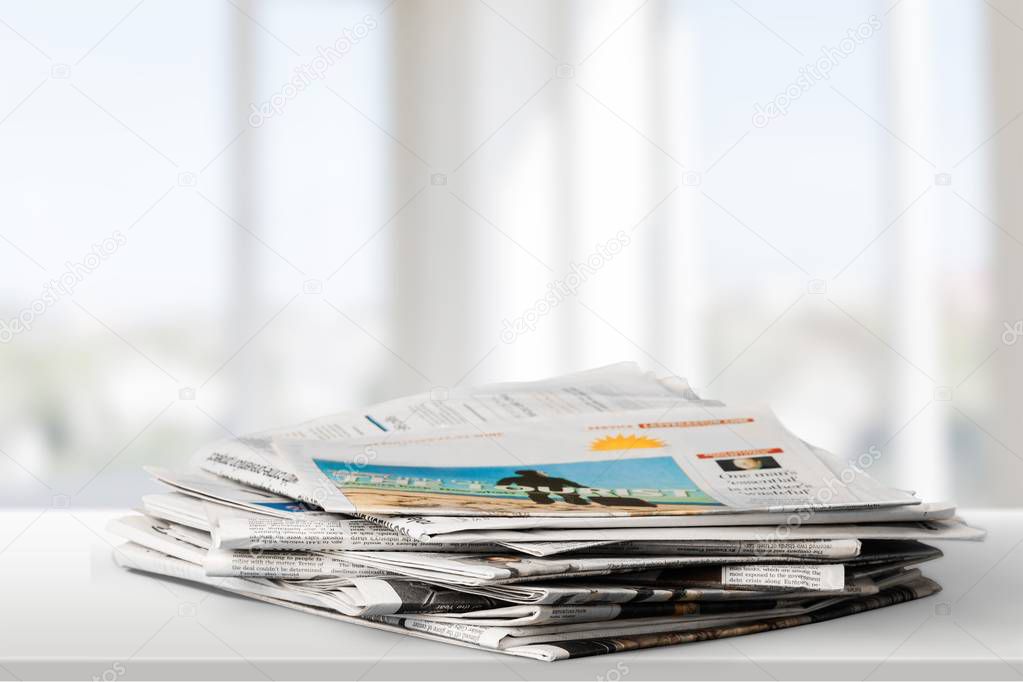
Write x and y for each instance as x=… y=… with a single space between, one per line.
x=591 y=513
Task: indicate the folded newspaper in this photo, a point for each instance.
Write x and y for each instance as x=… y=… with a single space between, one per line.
x=591 y=513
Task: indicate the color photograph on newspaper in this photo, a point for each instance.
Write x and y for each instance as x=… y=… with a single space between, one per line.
x=641 y=483
x=690 y=462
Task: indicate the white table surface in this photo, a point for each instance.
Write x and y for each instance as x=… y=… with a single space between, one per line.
x=68 y=612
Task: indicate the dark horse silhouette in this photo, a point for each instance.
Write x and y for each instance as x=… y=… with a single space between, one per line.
x=531 y=478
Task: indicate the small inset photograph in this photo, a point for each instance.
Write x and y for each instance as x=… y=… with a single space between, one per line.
x=748 y=463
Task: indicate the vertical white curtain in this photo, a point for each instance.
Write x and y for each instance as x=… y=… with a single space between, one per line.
x=914 y=308
x=438 y=267
x=1005 y=55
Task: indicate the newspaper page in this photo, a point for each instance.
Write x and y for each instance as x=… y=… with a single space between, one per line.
x=581 y=592
x=253 y=461
x=954 y=529
x=244 y=527
x=854 y=585
x=241 y=518
x=206 y=486
x=186 y=544
x=861 y=572
x=596 y=615
x=646 y=462
x=831 y=549
x=233 y=531
x=162 y=536
x=816 y=583
x=917 y=589
x=142 y=558
x=484 y=569
x=195 y=546
x=427 y=527
x=283 y=564
x=557 y=643
x=542 y=549
x=803 y=576
x=234 y=528
x=377 y=596
x=373 y=596
x=177 y=507
x=503 y=637
x=691 y=583
x=585 y=644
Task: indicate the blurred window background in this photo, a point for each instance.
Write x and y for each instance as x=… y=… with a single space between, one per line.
x=221 y=216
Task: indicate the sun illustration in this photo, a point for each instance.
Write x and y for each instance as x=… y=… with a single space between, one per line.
x=630 y=442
